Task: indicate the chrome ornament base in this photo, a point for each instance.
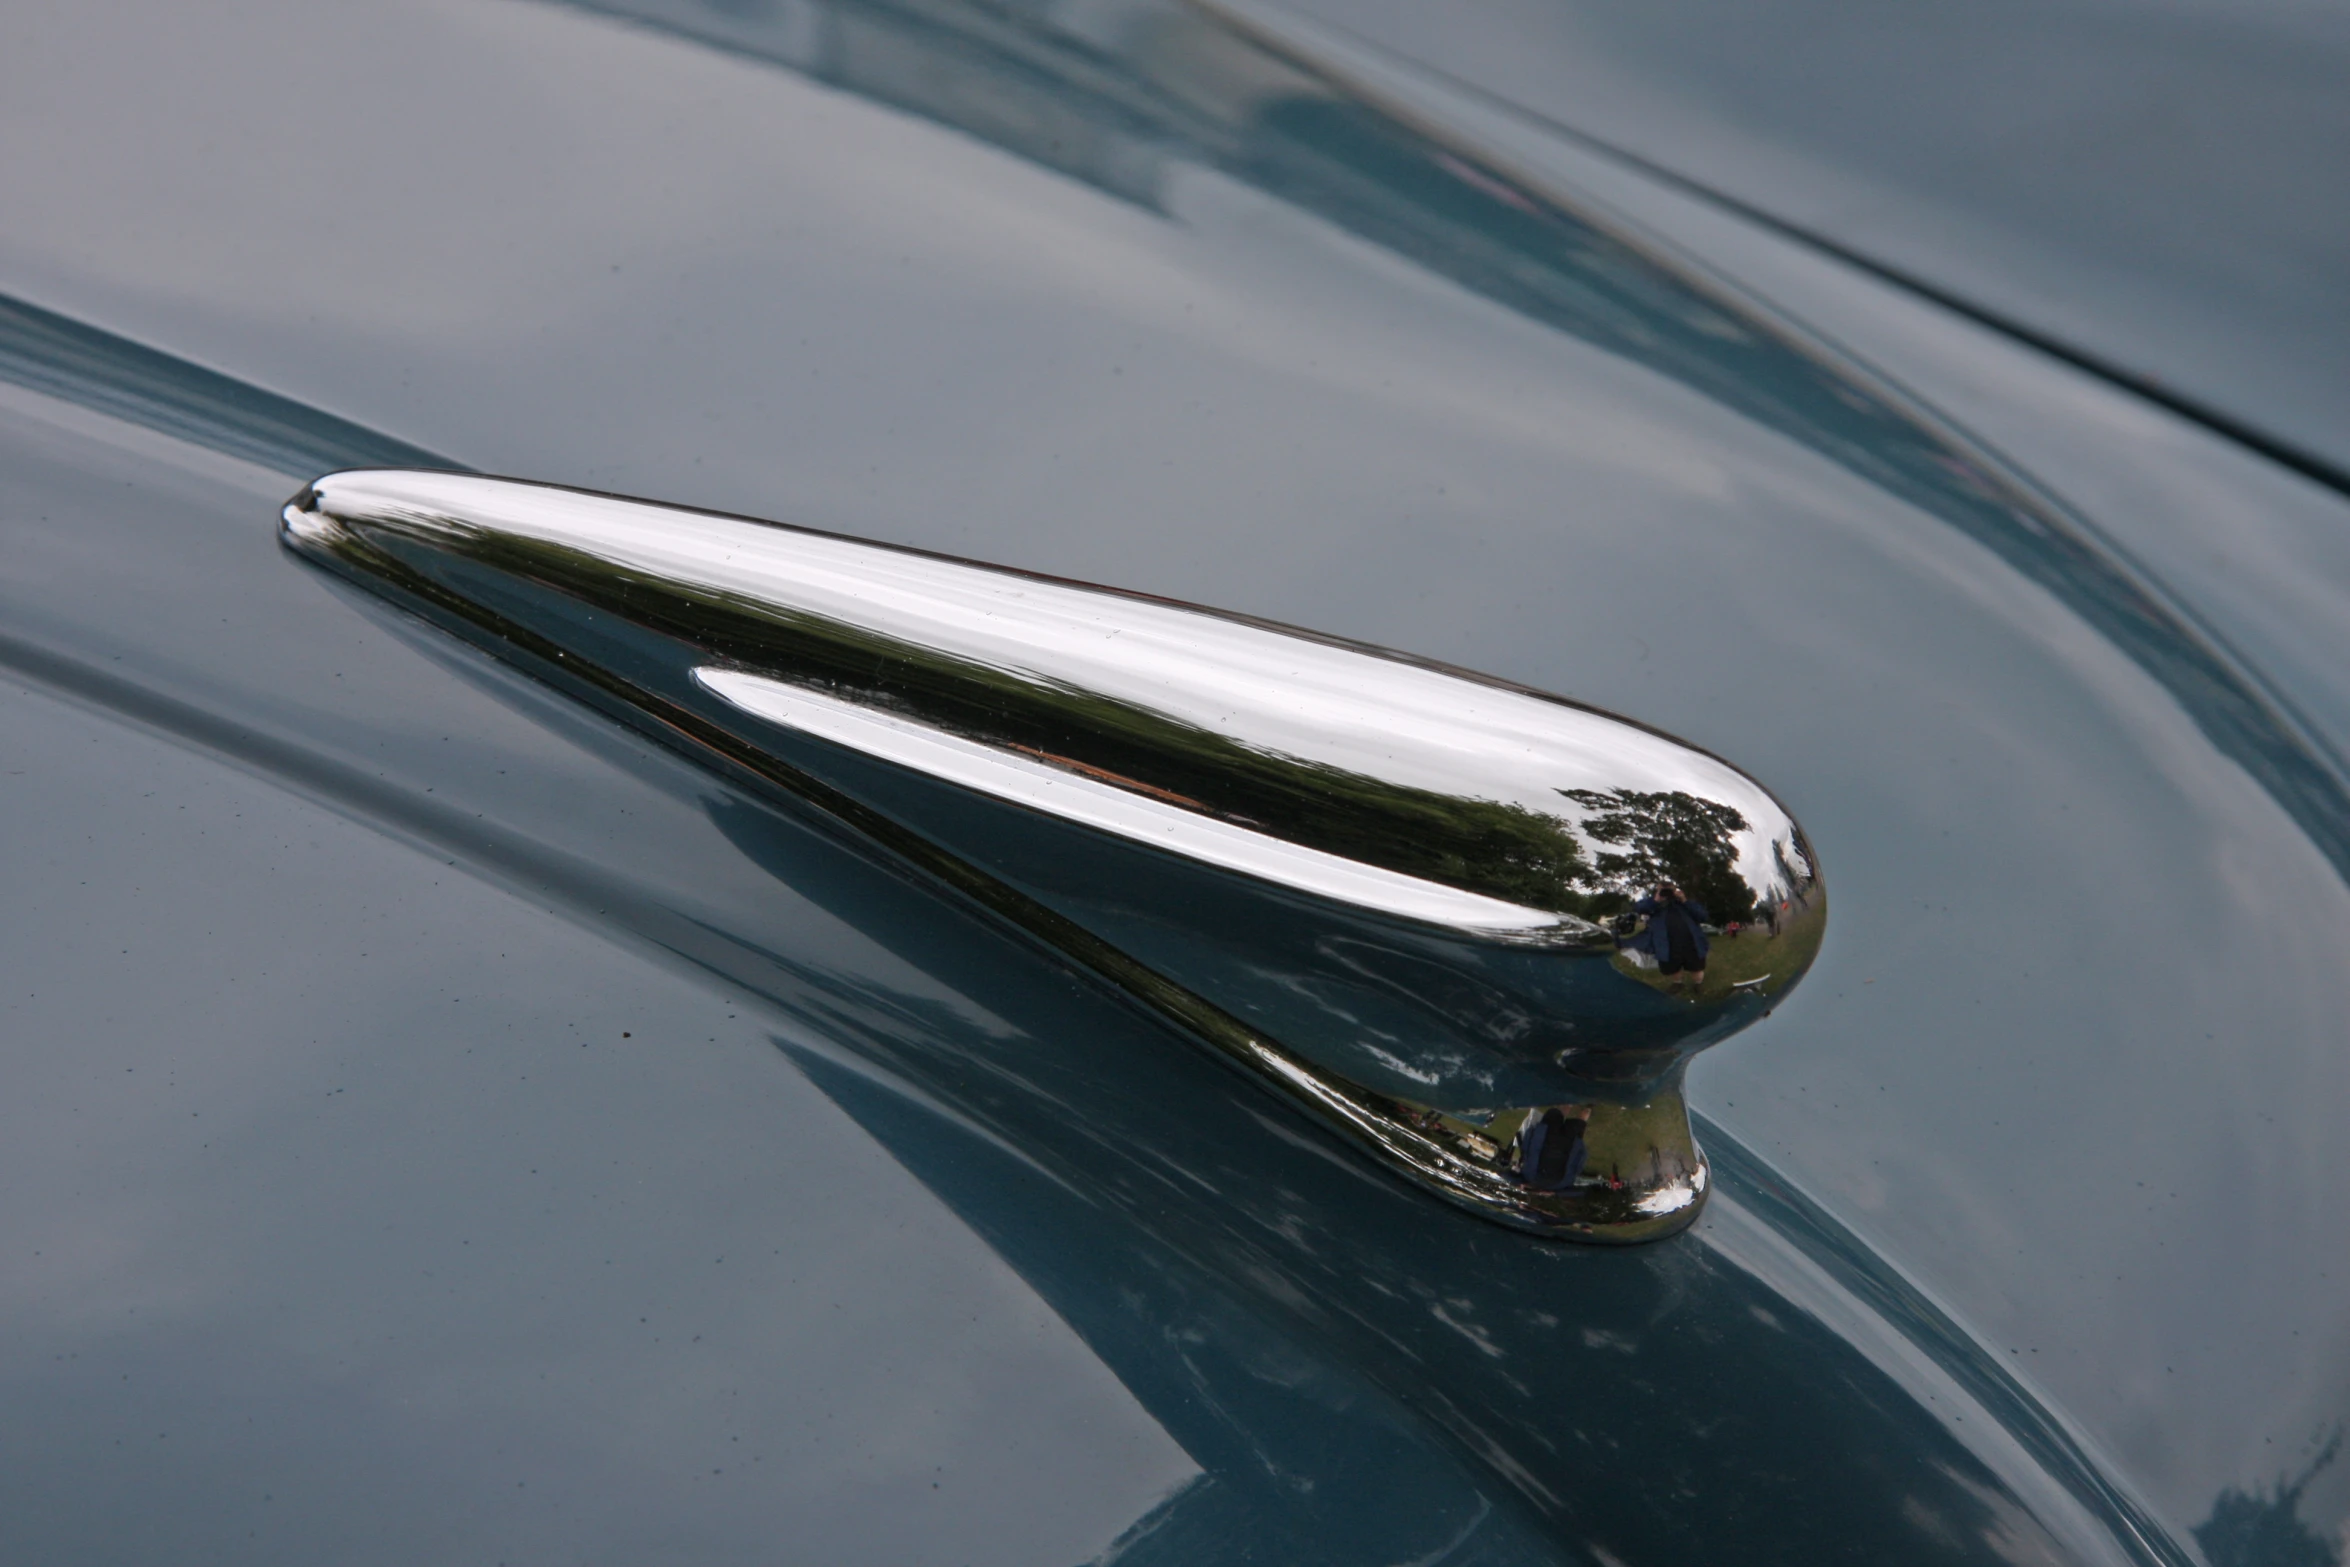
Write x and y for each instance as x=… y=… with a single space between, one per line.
x=1637 y=1176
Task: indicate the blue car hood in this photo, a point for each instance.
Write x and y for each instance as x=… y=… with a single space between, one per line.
x=2024 y=1247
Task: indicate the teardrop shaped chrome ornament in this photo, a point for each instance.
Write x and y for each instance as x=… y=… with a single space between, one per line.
x=1477 y=928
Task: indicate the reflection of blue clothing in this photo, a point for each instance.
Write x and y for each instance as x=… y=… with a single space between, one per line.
x=1552 y=1150
x=1685 y=919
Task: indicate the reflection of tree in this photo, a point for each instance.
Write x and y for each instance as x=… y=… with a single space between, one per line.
x=1505 y=851
x=1667 y=834
x=2245 y=1530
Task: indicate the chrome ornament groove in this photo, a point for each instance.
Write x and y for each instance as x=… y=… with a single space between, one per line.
x=1477 y=928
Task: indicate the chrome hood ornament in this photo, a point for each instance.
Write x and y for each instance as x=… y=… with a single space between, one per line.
x=1478 y=929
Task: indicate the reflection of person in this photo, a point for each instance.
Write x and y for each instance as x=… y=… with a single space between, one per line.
x=1551 y=1149
x=1675 y=936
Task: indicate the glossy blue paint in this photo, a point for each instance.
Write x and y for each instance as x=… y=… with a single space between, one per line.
x=1347 y=1363
x=2155 y=188
x=358 y=1209
x=2070 y=1060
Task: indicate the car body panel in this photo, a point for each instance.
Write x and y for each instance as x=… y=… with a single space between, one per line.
x=2025 y=1241
x=2154 y=188
x=352 y=1222
x=940 y=1031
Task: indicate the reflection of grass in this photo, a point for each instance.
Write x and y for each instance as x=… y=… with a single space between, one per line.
x=1621 y=1139
x=1752 y=954
x=1508 y=1123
